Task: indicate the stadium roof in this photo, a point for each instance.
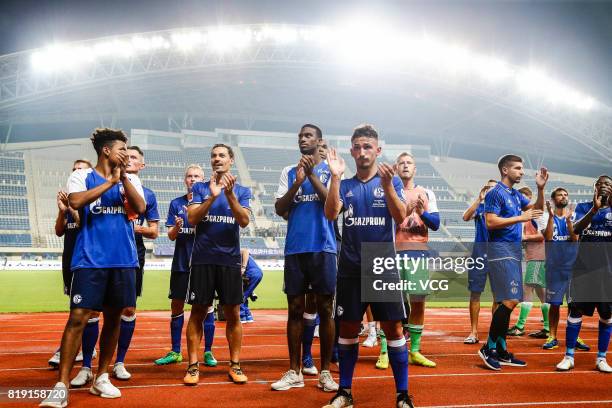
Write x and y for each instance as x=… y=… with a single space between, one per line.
x=276 y=77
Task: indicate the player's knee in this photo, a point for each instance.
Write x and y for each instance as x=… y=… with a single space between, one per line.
x=393 y=330
x=606 y=320
x=198 y=313
x=574 y=315
x=475 y=297
x=232 y=313
x=128 y=311
x=511 y=303
x=349 y=330
x=325 y=307
x=295 y=308
x=257 y=277
x=77 y=319
x=177 y=306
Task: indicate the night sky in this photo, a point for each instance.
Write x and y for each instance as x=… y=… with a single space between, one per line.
x=572 y=40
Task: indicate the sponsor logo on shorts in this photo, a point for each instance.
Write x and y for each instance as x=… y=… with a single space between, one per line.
x=76 y=299
x=192 y=296
x=339 y=310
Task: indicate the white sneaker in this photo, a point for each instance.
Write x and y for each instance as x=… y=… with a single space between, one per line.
x=58 y=397
x=566 y=364
x=312 y=370
x=103 y=387
x=316 y=332
x=83 y=377
x=603 y=366
x=326 y=382
x=54 y=360
x=371 y=341
x=120 y=373
x=79 y=356
x=290 y=379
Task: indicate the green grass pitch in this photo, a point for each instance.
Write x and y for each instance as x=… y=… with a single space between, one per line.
x=41 y=291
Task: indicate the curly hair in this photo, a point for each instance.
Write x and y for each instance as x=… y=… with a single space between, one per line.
x=102 y=137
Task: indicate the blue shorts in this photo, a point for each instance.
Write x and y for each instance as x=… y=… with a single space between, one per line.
x=97 y=288
x=506 y=277
x=179 y=283
x=350 y=308
x=310 y=272
x=477 y=278
x=557 y=283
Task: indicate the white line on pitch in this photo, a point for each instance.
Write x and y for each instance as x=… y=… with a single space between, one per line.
x=521 y=404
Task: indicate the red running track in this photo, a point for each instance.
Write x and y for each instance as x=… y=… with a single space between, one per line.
x=460 y=380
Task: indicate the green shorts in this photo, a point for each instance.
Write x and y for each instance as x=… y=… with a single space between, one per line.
x=417 y=277
x=535 y=274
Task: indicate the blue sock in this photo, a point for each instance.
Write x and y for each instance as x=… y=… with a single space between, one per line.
x=317 y=320
x=348 y=352
x=125 y=337
x=176 y=329
x=308 y=335
x=603 y=339
x=90 y=338
x=209 y=331
x=398 y=357
x=571 y=334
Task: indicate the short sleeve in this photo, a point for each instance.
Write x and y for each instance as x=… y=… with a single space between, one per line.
x=76 y=181
x=137 y=185
x=399 y=188
x=432 y=204
x=342 y=192
x=245 y=198
x=283 y=183
x=171 y=214
x=493 y=202
x=479 y=211
x=197 y=193
x=152 y=213
x=524 y=200
x=579 y=212
x=542 y=221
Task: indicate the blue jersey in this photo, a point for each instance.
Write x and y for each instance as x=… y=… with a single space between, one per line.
x=366 y=219
x=217 y=236
x=600 y=229
x=482 y=234
x=307 y=228
x=506 y=202
x=251 y=267
x=184 y=240
x=150 y=214
x=71 y=232
x=106 y=238
x=560 y=251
